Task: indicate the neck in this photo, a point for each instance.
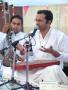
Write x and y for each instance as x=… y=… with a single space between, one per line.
x=44 y=31
x=16 y=32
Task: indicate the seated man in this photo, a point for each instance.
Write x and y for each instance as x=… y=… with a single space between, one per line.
x=11 y=32
x=50 y=45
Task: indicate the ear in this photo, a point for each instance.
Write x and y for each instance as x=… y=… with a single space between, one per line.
x=49 y=21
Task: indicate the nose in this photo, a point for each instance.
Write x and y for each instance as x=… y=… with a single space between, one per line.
x=15 y=25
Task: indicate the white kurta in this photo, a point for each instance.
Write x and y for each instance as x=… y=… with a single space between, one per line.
x=54 y=38
x=57 y=40
x=14 y=37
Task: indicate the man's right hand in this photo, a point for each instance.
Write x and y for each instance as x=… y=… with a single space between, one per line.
x=21 y=48
x=5 y=28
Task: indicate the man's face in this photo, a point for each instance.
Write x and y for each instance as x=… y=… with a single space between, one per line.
x=16 y=25
x=40 y=21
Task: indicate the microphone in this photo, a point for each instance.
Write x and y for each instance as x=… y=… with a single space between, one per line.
x=33 y=33
x=15 y=43
x=30 y=50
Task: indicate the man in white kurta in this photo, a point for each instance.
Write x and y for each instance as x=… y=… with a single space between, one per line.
x=56 y=39
x=54 y=73
x=16 y=34
x=48 y=44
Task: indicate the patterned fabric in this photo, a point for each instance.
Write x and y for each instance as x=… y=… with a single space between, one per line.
x=8 y=49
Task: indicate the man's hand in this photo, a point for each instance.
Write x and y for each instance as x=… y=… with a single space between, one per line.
x=21 y=48
x=5 y=28
x=51 y=51
x=20 y=58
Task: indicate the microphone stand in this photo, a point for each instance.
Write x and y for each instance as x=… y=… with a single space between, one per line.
x=27 y=85
x=13 y=81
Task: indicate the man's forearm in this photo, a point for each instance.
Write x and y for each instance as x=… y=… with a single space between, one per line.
x=55 y=53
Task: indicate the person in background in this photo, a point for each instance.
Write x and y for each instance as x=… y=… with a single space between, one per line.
x=50 y=45
x=11 y=32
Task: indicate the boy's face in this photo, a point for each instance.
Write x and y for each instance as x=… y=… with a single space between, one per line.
x=16 y=25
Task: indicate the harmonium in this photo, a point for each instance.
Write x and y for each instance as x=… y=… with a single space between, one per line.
x=36 y=64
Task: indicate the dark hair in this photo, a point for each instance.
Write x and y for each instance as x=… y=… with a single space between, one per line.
x=17 y=16
x=48 y=14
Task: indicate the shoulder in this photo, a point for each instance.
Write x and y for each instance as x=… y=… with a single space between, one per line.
x=22 y=33
x=1 y=33
x=58 y=35
x=2 y=36
x=57 y=32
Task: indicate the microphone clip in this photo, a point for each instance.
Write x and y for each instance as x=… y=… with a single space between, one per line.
x=29 y=48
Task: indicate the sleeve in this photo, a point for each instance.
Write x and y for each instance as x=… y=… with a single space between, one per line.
x=64 y=50
x=2 y=38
